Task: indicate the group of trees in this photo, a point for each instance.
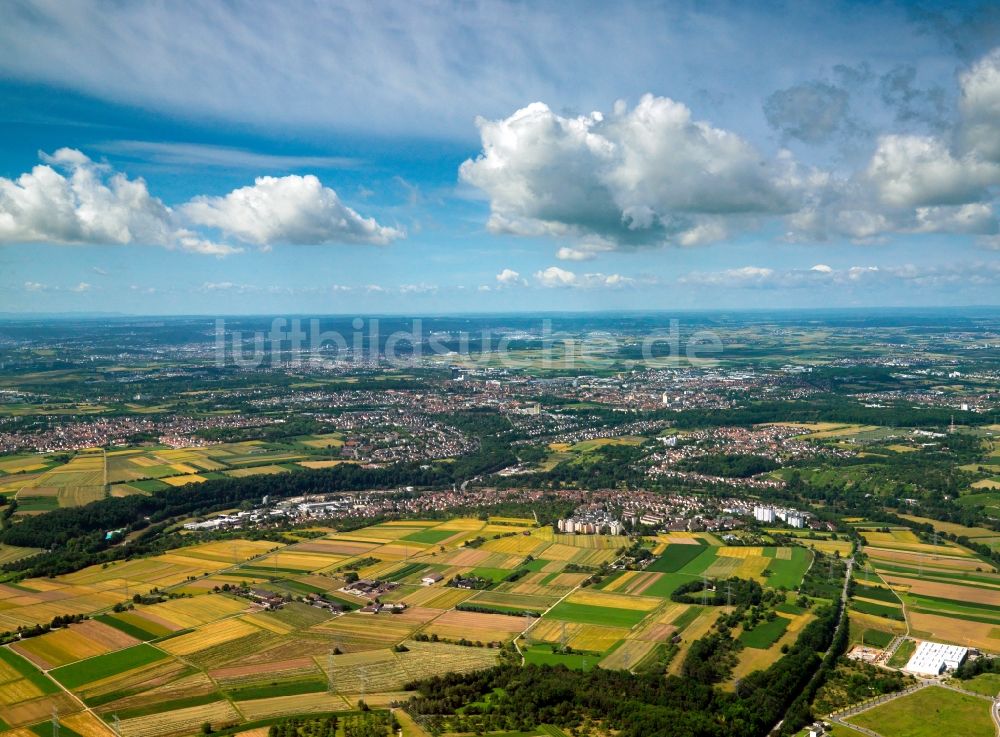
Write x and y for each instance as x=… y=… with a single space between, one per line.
x=738 y=592
x=730 y=465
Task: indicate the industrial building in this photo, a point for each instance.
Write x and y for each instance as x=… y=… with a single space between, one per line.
x=934 y=658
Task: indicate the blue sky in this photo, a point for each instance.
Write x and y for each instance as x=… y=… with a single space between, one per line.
x=222 y=158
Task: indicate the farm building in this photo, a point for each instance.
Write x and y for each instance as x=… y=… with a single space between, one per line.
x=933 y=658
x=431 y=579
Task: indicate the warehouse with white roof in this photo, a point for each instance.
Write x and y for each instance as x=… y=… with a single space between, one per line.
x=934 y=658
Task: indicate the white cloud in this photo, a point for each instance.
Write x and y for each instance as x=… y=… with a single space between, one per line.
x=292 y=209
x=34 y=286
x=192 y=242
x=920 y=171
x=745 y=276
x=654 y=175
x=554 y=277
x=822 y=268
x=81 y=287
x=644 y=176
x=980 y=106
x=509 y=278
x=87 y=204
x=71 y=200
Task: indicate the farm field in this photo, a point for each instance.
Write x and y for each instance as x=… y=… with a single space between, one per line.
x=210 y=655
x=946 y=594
x=79 y=481
x=42 y=482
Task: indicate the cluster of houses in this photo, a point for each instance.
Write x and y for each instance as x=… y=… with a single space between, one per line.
x=377 y=607
x=368 y=588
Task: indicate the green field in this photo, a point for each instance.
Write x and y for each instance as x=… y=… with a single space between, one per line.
x=82 y=672
x=28 y=670
x=588 y=614
x=875 y=592
x=903 y=654
x=988 y=684
x=877 y=638
x=929 y=712
x=765 y=634
x=879 y=610
x=789 y=573
x=543 y=655
x=675 y=557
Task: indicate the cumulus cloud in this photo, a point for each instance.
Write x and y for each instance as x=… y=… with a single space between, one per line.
x=980 y=106
x=575 y=254
x=655 y=175
x=509 y=278
x=645 y=176
x=293 y=209
x=70 y=199
x=917 y=171
x=554 y=277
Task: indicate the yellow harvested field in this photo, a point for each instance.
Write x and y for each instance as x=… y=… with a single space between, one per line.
x=942 y=562
x=590 y=637
x=76 y=642
x=614 y=601
x=85 y=724
x=945 y=590
x=319 y=464
x=905 y=540
x=181 y=721
x=269 y=470
x=356 y=631
x=181 y=480
x=627 y=655
x=518 y=544
x=952 y=528
x=438 y=598
x=561 y=552
x=600 y=542
x=209 y=635
x=185 y=613
x=299 y=704
x=830 y=546
x=226 y=551
x=743 y=552
x=454 y=625
x=955 y=631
